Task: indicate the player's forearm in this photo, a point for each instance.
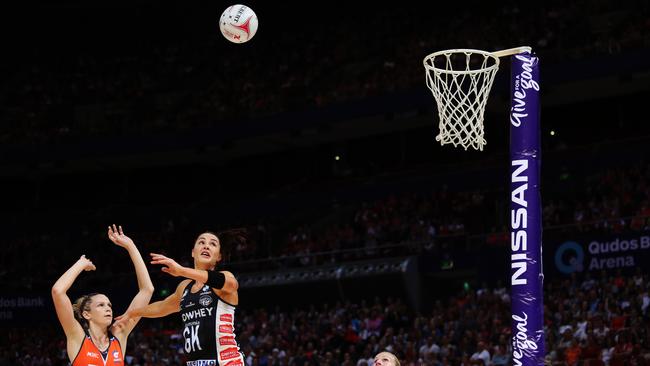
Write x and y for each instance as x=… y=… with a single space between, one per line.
x=197 y=275
x=154 y=310
x=66 y=280
x=227 y=284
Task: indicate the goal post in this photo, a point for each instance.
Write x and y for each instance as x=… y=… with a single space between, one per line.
x=460 y=81
x=527 y=277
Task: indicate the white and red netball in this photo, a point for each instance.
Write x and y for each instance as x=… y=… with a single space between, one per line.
x=238 y=23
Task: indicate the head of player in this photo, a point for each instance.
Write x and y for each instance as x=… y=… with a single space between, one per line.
x=386 y=359
x=94 y=312
x=207 y=251
x=211 y=249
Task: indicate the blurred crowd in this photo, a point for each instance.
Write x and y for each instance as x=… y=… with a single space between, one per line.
x=609 y=201
x=591 y=319
x=173 y=85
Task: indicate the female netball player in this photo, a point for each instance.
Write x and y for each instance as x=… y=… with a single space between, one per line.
x=91 y=340
x=386 y=359
x=206 y=300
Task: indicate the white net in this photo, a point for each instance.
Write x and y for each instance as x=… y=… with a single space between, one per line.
x=460 y=81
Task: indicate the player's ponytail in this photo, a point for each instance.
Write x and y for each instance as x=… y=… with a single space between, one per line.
x=80 y=305
x=229 y=240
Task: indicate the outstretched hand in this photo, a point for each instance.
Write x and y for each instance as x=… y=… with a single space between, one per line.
x=171 y=266
x=86 y=263
x=122 y=320
x=116 y=235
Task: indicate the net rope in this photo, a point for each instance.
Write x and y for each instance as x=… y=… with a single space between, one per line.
x=461 y=88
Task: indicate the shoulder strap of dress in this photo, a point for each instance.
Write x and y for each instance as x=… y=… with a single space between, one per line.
x=83 y=343
x=189 y=285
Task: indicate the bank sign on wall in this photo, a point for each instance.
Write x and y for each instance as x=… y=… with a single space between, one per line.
x=595 y=252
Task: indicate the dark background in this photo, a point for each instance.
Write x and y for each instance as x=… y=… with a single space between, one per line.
x=140 y=113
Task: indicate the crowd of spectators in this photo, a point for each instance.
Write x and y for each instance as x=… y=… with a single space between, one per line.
x=592 y=319
x=174 y=85
x=612 y=200
x=602 y=198
x=179 y=84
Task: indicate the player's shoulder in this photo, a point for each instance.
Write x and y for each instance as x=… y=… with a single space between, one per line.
x=182 y=285
x=228 y=273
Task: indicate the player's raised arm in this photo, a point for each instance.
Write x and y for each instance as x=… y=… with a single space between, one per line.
x=145 y=286
x=171 y=304
x=62 y=303
x=220 y=280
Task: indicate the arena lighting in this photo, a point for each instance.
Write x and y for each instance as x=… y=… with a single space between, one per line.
x=324 y=273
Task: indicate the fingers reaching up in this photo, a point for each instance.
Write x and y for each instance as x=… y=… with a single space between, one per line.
x=122 y=320
x=86 y=263
x=116 y=235
x=170 y=265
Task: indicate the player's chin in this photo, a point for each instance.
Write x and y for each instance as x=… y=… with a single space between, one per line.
x=206 y=260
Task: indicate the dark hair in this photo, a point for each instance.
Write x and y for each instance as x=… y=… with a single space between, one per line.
x=229 y=240
x=83 y=304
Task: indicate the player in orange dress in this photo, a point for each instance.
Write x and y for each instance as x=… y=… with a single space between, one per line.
x=91 y=339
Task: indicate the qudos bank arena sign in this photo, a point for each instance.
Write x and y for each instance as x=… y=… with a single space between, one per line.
x=595 y=254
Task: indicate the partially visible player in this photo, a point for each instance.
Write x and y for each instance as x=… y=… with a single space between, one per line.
x=207 y=300
x=386 y=359
x=90 y=338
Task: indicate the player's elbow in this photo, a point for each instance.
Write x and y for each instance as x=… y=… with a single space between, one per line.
x=58 y=291
x=147 y=289
x=231 y=284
